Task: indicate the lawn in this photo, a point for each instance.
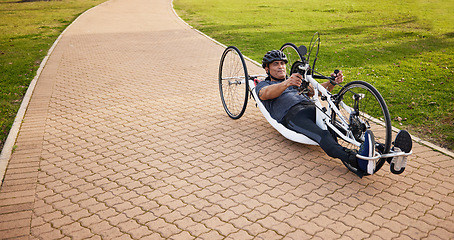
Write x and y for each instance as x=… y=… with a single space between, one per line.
x=27 y=31
x=404 y=48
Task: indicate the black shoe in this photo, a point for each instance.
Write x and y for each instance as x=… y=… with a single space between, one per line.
x=352 y=161
x=402 y=143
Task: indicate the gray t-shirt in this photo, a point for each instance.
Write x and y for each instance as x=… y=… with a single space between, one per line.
x=278 y=107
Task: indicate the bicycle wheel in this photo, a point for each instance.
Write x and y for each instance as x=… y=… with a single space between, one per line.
x=233 y=84
x=291 y=52
x=362 y=106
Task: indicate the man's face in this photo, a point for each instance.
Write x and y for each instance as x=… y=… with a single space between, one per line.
x=277 y=69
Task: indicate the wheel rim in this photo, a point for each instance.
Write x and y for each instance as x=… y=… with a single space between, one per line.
x=376 y=119
x=232 y=83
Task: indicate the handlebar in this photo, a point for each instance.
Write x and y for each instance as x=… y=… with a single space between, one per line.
x=325 y=77
x=321 y=77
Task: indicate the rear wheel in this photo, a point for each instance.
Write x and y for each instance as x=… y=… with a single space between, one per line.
x=291 y=52
x=233 y=84
x=362 y=106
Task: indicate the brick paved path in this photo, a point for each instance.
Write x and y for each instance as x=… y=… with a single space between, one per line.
x=125 y=138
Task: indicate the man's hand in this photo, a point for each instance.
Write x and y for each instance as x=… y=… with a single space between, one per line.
x=295 y=80
x=339 y=77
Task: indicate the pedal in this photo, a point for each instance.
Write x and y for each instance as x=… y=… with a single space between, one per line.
x=398 y=163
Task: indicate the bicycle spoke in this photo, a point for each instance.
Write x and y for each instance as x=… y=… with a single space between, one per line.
x=232 y=84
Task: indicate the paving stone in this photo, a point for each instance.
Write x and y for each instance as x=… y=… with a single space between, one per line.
x=125 y=138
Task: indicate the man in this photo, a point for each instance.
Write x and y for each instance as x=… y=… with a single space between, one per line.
x=297 y=111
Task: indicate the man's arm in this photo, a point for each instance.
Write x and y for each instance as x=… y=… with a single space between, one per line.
x=275 y=90
x=339 y=79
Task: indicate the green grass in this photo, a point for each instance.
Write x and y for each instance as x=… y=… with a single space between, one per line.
x=404 y=48
x=27 y=31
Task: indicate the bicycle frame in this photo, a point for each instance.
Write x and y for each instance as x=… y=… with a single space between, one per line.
x=342 y=114
x=323 y=114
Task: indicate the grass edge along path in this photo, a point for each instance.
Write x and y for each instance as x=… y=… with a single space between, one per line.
x=29 y=30
x=405 y=50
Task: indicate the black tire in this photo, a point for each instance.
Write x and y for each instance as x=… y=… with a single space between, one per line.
x=366 y=99
x=291 y=52
x=233 y=84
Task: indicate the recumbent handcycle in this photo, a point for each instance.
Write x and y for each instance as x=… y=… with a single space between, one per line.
x=357 y=107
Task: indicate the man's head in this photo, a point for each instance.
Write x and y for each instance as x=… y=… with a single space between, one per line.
x=274 y=64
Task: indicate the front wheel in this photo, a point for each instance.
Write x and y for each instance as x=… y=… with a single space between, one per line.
x=233 y=84
x=291 y=52
x=362 y=107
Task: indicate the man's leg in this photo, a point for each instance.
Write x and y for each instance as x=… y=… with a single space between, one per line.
x=301 y=118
